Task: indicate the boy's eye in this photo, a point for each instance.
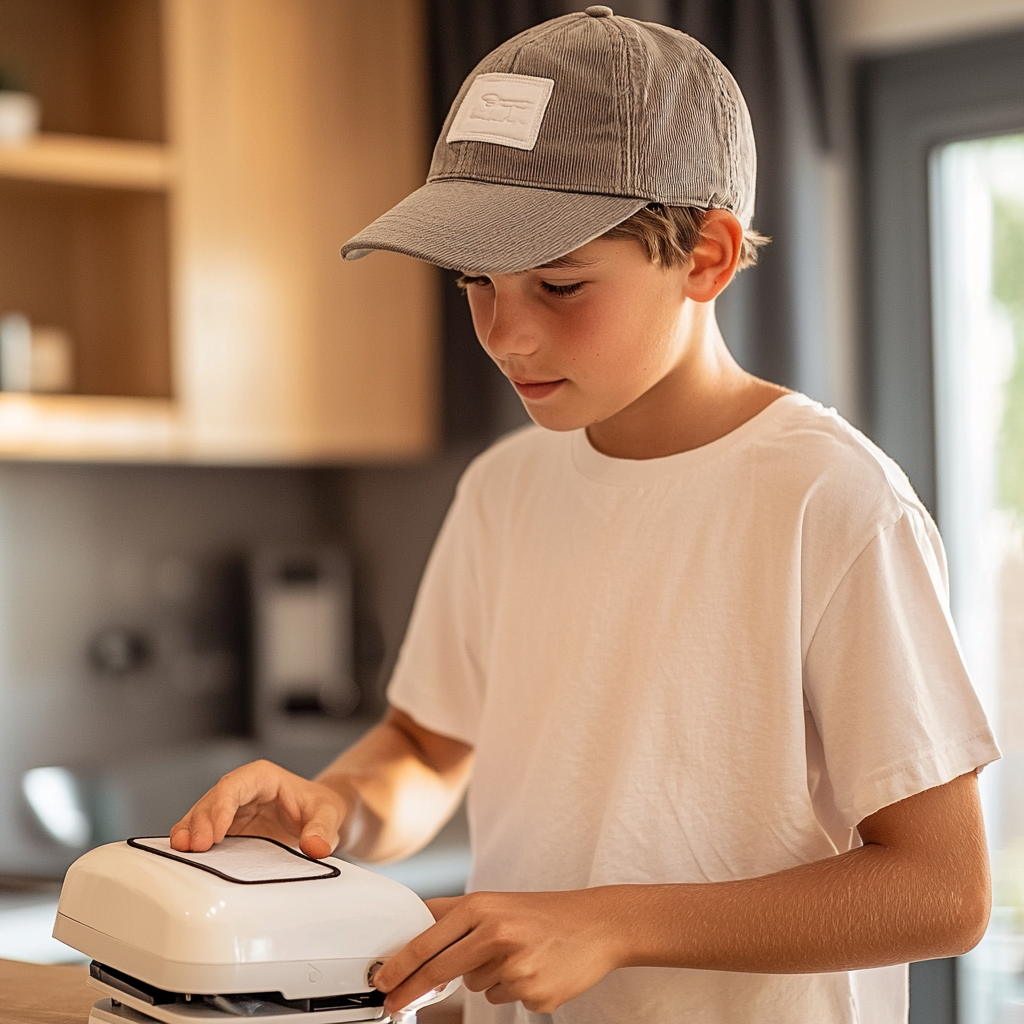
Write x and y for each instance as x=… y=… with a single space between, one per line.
x=563 y=290
x=465 y=280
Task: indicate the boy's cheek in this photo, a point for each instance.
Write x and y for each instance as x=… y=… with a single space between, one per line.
x=480 y=312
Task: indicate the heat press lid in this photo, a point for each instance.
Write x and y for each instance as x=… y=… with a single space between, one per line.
x=247 y=900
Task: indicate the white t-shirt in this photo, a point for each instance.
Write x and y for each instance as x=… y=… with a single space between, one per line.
x=696 y=668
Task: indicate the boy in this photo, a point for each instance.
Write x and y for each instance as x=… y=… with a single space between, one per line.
x=690 y=643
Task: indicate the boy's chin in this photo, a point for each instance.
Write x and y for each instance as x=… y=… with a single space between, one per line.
x=555 y=419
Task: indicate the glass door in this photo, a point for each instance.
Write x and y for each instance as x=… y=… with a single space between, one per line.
x=977 y=221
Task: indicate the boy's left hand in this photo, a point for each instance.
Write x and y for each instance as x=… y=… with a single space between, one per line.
x=542 y=948
x=918 y=888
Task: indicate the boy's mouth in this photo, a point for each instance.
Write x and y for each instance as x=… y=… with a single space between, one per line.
x=535 y=389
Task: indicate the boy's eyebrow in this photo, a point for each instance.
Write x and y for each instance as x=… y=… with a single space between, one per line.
x=567 y=262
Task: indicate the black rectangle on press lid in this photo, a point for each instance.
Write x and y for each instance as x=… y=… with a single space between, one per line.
x=226 y=861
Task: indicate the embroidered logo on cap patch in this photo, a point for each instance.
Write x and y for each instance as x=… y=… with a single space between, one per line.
x=504 y=109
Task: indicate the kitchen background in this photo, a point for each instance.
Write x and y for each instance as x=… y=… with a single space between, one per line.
x=135 y=538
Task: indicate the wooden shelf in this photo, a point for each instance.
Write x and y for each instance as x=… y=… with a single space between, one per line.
x=199 y=282
x=75 y=427
x=85 y=160
x=96 y=428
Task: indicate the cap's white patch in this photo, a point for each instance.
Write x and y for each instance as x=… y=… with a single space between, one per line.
x=504 y=109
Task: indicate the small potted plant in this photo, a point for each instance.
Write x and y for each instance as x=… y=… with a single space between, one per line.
x=19 y=110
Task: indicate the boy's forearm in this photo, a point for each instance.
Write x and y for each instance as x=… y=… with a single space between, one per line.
x=854 y=911
x=883 y=903
x=398 y=794
x=846 y=913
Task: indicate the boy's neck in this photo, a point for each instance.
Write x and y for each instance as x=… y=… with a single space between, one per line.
x=704 y=397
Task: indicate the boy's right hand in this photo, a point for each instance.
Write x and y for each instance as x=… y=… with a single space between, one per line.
x=262 y=799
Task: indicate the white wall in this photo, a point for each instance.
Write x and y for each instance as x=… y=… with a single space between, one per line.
x=886 y=24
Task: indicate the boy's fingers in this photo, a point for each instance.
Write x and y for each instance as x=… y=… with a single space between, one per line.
x=222 y=814
x=193 y=833
x=209 y=824
x=180 y=837
x=484 y=977
x=434 y=974
x=416 y=953
x=236 y=806
x=315 y=846
x=199 y=836
x=499 y=993
x=443 y=905
x=213 y=814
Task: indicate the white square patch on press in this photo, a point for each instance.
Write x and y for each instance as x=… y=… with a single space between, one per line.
x=504 y=109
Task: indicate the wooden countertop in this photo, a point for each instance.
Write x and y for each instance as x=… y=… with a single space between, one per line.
x=44 y=994
x=58 y=994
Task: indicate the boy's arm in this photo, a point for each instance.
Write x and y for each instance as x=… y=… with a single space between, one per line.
x=403 y=781
x=918 y=888
x=384 y=798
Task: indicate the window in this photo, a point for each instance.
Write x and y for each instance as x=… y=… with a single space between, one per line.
x=977 y=203
x=942 y=133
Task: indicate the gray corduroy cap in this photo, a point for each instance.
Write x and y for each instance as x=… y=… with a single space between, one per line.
x=565 y=131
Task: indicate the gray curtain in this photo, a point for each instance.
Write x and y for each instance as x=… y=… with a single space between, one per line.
x=779 y=317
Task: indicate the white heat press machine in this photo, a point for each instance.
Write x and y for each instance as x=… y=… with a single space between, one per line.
x=251 y=928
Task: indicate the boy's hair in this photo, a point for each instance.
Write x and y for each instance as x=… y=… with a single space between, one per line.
x=668 y=234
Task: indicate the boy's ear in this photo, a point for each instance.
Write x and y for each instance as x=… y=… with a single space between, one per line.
x=714 y=258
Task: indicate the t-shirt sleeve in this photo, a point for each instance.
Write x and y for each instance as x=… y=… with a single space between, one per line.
x=885 y=679
x=439 y=676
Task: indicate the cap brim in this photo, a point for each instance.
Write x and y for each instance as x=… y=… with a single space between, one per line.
x=489 y=228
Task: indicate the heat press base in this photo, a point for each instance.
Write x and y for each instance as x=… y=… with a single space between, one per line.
x=104 y=1012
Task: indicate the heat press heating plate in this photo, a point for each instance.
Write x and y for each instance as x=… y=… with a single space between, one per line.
x=135 y=1011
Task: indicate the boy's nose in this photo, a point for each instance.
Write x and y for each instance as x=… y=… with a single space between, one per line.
x=511 y=332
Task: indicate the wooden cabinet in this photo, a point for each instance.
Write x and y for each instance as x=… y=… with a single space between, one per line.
x=180 y=215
